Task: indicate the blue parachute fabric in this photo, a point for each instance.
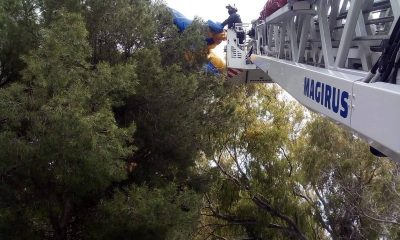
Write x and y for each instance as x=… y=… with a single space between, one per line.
x=180 y=20
x=210 y=68
x=215 y=27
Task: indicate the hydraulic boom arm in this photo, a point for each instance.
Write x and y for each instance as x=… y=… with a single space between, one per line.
x=337 y=58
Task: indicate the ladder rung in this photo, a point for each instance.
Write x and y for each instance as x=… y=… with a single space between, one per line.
x=373 y=21
x=377 y=6
x=371 y=38
x=376 y=48
x=380 y=20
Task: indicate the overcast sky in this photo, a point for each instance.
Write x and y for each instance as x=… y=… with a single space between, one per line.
x=215 y=9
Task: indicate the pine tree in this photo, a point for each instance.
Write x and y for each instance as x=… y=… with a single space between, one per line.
x=60 y=144
x=349 y=190
x=66 y=125
x=19 y=30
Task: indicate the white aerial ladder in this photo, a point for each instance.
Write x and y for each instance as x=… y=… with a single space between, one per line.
x=328 y=55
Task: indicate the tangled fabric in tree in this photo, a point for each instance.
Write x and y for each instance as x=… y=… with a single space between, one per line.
x=215 y=27
x=272 y=6
x=180 y=20
x=216 y=35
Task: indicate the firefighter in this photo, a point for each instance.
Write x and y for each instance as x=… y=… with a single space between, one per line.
x=234 y=18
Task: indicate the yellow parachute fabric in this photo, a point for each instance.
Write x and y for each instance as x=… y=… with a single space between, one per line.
x=216 y=61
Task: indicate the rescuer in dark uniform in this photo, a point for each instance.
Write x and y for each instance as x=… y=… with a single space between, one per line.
x=232 y=19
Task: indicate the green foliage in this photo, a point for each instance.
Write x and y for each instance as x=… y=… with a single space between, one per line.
x=19 y=34
x=147 y=213
x=109 y=129
x=59 y=130
x=118 y=29
x=167 y=115
x=188 y=49
x=340 y=179
x=66 y=130
x=247 y=141
x=50 y=9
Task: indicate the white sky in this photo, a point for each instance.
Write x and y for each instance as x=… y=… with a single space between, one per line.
x=215 y=9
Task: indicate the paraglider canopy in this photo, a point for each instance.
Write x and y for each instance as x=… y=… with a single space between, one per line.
x=180 y=20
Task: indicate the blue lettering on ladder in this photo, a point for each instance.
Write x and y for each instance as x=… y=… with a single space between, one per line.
x=330 y=97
